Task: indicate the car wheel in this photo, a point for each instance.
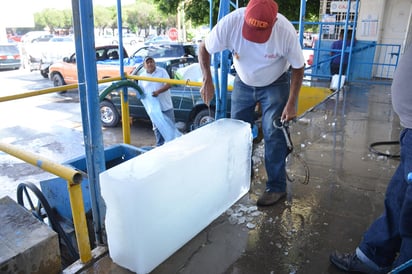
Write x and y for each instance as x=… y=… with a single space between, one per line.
x=109 y=115
x=44 y=73
x=58 y=80
x=203 y=117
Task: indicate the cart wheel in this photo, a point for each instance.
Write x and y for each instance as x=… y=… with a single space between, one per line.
x=43 y=210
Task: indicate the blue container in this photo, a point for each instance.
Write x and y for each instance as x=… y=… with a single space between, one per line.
x=56 y=192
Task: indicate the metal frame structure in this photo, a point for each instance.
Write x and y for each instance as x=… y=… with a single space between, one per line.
x=89 y=97
x=87 y=75
x=89 y=102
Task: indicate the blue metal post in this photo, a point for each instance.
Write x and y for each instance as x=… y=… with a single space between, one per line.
x=301 y=21
x=89 y=101
x=352 y=41
x=342 y=52
x=221 y=107
x=210 y=14
x=120 y=33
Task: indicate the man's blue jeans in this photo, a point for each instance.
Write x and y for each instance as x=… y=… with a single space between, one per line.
x=391 y=233
x=273 y=99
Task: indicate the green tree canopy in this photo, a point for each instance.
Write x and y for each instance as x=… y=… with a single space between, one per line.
x=198 y=10
x=161 y=14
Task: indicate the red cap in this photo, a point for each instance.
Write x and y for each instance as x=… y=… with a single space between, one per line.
x=260 y=16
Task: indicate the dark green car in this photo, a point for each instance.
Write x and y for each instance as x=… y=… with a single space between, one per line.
x=188 y=105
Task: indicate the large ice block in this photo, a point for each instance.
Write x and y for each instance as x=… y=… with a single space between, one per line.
x=159 y=200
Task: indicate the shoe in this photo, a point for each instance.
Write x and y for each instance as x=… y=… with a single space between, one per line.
x=351 y=263
x=270 y=198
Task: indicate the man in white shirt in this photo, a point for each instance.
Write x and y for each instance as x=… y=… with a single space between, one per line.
x=158 y=90
x=264 y=46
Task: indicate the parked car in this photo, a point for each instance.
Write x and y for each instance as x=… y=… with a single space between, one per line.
x=188 y=105
x=9 y=56
x=55 y=50
x=128 y=39
x=32 y=47
x=105 y=40
x=165 y=51
x=107 y=59
x=32 y=35
x=157 y=40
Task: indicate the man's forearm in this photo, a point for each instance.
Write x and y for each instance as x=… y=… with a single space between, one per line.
x=296 y=84
x=204 y=61
x=162 y=89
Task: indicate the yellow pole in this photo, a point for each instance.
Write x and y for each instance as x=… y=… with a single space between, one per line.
x=170 y=81
x=125 y=119
x=37 y=92
x=51 y=90
x=62 y=171
x=80 y=222
x=165 y=80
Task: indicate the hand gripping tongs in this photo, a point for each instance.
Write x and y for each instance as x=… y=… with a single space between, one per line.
x=284 y=126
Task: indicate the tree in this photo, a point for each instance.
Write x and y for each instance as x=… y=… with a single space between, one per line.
x=104 y=17
x=198 y=10
x=291 y=8
x=162 y=14
x=53 y=19
x=143 y=15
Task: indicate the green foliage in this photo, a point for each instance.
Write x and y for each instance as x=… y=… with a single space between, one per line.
x=162 y=14
x=143 y=14
x=198 y=11
x=291 y=8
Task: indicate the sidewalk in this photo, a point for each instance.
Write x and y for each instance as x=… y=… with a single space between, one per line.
x=344 y=194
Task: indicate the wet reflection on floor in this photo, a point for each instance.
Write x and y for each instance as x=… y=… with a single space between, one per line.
x=345 y=188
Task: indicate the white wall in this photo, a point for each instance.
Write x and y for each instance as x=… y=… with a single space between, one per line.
x=370 y=20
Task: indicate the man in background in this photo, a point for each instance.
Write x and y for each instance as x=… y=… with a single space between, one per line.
x=337 y=47
x=158 y=90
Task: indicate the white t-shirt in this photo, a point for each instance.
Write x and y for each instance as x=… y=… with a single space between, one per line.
x=257 y=64
x=165 y=98
x=401 y=91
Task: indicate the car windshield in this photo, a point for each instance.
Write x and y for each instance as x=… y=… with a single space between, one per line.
x=165 y=51
x=43 y=38
x=61 y=39
x=160 y=51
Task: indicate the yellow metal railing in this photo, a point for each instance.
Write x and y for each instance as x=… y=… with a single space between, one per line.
x=74 y=179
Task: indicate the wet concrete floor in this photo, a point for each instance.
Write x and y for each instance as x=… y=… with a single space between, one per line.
x=343 y=195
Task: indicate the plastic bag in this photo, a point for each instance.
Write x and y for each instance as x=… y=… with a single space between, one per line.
x=335 y=81
x=166 y=126
x=193 y=73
